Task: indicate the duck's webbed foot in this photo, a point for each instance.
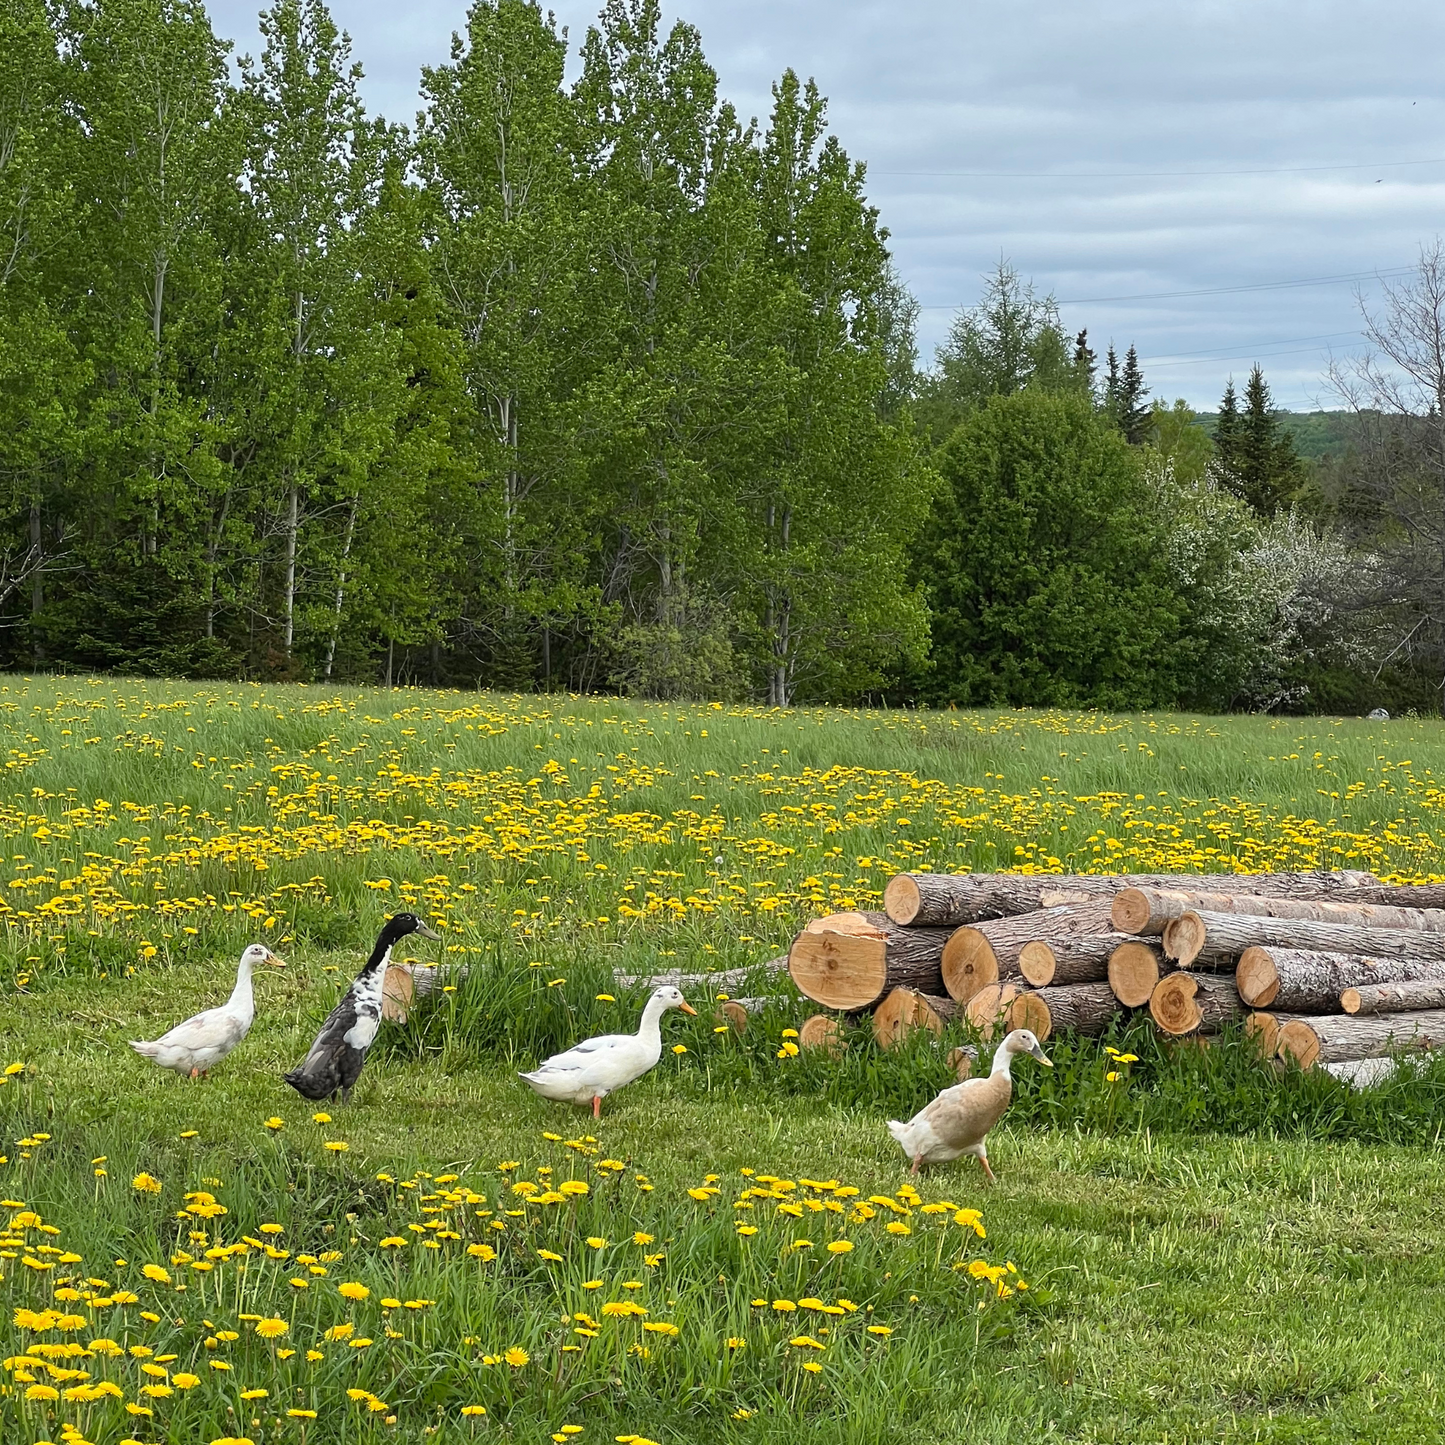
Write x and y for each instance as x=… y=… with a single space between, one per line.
x=597 y=1106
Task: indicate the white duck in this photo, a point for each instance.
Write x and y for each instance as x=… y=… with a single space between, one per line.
x=958 y=1120
x=192 y=1047
x=593 y=1069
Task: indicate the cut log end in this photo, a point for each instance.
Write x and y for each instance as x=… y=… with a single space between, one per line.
x=901 y=898
x=1184 y=938
x=961 y=1062
x=903 y=1012
x=1129 y=912
x=822 y=1031
x=1256 y=977
x=1037 y=963
x=734 y=1015
x=1350 y=1000
x=1263 y=1029
x=1298 y=1041
x=1133 y=973
x=838 y=970
x=1172 y=1004
x=397 y=992
x=969 y=963
x=1030 y=1011
x=988 y=1008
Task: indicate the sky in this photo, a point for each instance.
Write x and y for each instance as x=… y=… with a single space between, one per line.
x=1217 y=182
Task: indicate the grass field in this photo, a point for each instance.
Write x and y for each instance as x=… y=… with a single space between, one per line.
x=1263 y=1265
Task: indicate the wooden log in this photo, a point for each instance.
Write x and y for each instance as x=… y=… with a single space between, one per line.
x=405 y=983
x=988 y=1008
x=1224 y=935
x=856 y=968
x=982 y=953
x=1134 y=969
x=822 y=1031
x=1308 y=981
x=1149 y=911
x=1410 y=996
x=1333 y=1038
x=1402 y=895
x=1081 y=1008
x=1188 y=1003
x=939 y=899
x=1263 y=1028
x=724 y=980
x=905 y=1010
x=1061 y=960
x=1361 y=1073
x=962 y=1060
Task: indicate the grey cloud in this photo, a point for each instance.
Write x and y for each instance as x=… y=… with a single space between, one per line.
x=1065 y=88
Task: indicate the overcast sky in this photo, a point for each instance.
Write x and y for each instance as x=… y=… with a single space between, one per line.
x=1112 y=151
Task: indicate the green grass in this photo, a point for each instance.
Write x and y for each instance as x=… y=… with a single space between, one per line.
x=1215 y=1252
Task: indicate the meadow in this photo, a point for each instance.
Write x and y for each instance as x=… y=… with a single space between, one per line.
x=1198 y=1250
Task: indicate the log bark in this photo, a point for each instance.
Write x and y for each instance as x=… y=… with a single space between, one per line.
x=988 y=1008
x=948 y=899
x=1057 y=961
x=822 y=1031
x=1189 y=1003
x=1308 y=981
x=1403 y=895
x=978 y=954
x=1361 y=1073
x=1335 y=1038
x=1411 y=996
x=856 y=968
x=1081 y=1008
x=1148 y=911
x=905 y=1010
x=724 y=979
x=1134 y=969
x=1194 y=935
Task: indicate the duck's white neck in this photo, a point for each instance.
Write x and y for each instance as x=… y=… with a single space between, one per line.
x=242 y=991
x=651 y=1017
x=1002 y=1058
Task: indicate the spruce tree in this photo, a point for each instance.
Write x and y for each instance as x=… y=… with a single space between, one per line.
x=1112 y=384
x=1262 y=466
x=1086 y=363
x=1133 y=414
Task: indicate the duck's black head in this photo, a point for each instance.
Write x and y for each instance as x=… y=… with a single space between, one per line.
x=393 y=931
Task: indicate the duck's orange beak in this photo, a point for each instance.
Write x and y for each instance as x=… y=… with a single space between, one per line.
x=273 y=959
x=687 y=1008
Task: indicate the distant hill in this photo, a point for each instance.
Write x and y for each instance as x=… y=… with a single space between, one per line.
x=1317 y=435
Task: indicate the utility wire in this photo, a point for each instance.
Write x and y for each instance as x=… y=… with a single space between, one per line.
x=1158 y=175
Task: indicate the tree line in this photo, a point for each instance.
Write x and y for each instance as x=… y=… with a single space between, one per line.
x=587 y=385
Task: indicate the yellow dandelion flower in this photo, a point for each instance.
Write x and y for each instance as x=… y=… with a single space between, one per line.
x=516 y=1357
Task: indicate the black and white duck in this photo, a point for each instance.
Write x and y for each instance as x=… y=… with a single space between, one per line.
x=334 y=1062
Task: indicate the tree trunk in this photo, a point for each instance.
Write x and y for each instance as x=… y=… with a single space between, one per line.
x=341 y=586
x=853 y=966
x=1081 y=1008
x=1410 y=996
x=293 y=524
x=1060 y=960
x=1335 y=1038
x=1405 y=895
x=988 y=1008
x=905 y=1010
x=939 y=899
x=982 y=953
x=1135 y=969
x=822 y=1031
x=1219 y=937
x=1149 y=911
x=1188 y=1003
x=1309 y=981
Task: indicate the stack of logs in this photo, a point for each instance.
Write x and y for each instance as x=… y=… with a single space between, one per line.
x=1334 y=970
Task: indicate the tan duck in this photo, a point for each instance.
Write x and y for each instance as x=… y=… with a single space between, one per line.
x=958 y=1120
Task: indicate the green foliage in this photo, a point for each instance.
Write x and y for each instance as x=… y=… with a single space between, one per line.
x=1176 y=439
x=1043 y=562
x=1257 y=456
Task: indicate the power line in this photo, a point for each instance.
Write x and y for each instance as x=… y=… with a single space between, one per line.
x=1219 y=290
x=1240 y=356
x=1164 y=358
x=1159 y=175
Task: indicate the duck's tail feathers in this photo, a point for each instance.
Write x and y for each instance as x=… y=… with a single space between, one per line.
x=902 y=1133
x=143 y=1046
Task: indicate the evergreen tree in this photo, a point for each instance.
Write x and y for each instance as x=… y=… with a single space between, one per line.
x=1226 y=431
x=1086 y=363
x=1132 y=415
x=1265 y=461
